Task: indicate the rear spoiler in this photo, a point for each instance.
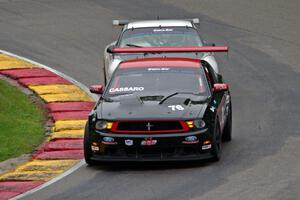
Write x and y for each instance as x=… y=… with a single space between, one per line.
x=188 y=49
x=123 y=22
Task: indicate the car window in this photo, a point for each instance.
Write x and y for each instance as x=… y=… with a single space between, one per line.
x=210 y=73
x=158 y=81
x=166 y=36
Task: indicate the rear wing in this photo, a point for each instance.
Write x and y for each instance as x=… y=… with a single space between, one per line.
x=123 y=22
x=188 y=49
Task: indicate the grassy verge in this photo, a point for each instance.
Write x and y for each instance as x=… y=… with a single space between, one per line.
x=21 y=123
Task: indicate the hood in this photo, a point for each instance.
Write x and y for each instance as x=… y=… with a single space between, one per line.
x=131 y=107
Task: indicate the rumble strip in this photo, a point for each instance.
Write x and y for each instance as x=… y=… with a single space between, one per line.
x=68 y=105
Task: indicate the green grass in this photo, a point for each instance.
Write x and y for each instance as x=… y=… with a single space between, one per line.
x=21 y=123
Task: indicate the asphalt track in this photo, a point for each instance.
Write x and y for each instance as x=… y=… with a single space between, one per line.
x=262 y=161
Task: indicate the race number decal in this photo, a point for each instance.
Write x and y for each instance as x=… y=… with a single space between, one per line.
x=176 y=107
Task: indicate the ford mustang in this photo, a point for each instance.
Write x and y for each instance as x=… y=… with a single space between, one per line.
x=160 y=109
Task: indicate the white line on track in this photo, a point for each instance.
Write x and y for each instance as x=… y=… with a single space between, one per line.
x=84 y=88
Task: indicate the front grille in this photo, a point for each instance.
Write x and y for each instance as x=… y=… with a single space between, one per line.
x=150 y=127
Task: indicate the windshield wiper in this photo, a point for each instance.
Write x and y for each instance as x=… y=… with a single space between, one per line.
x=174 y=94
x=134 y=45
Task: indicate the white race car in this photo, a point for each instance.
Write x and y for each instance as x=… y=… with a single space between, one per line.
x=156 y=33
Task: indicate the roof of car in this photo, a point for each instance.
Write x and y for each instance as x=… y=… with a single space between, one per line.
x=160 y=62
x=159 y=23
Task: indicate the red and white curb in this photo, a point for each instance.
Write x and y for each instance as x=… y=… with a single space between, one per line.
x=68 y=103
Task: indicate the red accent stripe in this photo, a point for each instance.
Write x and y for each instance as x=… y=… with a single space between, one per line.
x=171 y=49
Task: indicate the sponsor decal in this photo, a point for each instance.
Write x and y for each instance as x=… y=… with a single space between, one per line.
x=190 y=140
x=126 y=89
x=148 y=142
x=163 y=30
x=227 y=99
x=109 y=143
x=128 y=142
x=158 y=69
x=176 y=107
x=204 y=147
x=95 y=148
x=108 y=139
x=212 y=109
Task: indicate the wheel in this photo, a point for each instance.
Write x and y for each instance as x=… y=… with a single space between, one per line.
x=217 y=144
x=227 y=131
x=87 y=147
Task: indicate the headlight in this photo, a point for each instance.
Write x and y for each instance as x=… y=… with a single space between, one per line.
x=101 y=124
x=199 y=123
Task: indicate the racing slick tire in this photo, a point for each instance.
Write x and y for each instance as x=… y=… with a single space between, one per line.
x=217 y=145
x=87 y=147
x=227 y=131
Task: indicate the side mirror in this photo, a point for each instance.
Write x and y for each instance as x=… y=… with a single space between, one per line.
x=110 y=49
x=97 y=89
x=218 y=87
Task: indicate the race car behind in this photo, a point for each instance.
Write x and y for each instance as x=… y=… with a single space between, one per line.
x=156 y=33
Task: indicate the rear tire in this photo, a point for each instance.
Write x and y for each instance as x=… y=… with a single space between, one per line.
x=227 y=131
x=87 y=147
x=217 y=145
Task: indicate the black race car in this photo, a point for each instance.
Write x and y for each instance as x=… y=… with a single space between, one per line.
x=159 y=109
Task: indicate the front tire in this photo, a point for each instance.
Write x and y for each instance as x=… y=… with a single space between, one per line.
x=87 y=147
x=227 y=131
x=217 y=145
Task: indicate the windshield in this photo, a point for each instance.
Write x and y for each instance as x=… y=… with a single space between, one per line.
x=166 y=36
x=157 y=81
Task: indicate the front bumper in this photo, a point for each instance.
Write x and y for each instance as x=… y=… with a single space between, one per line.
x=155 y=147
